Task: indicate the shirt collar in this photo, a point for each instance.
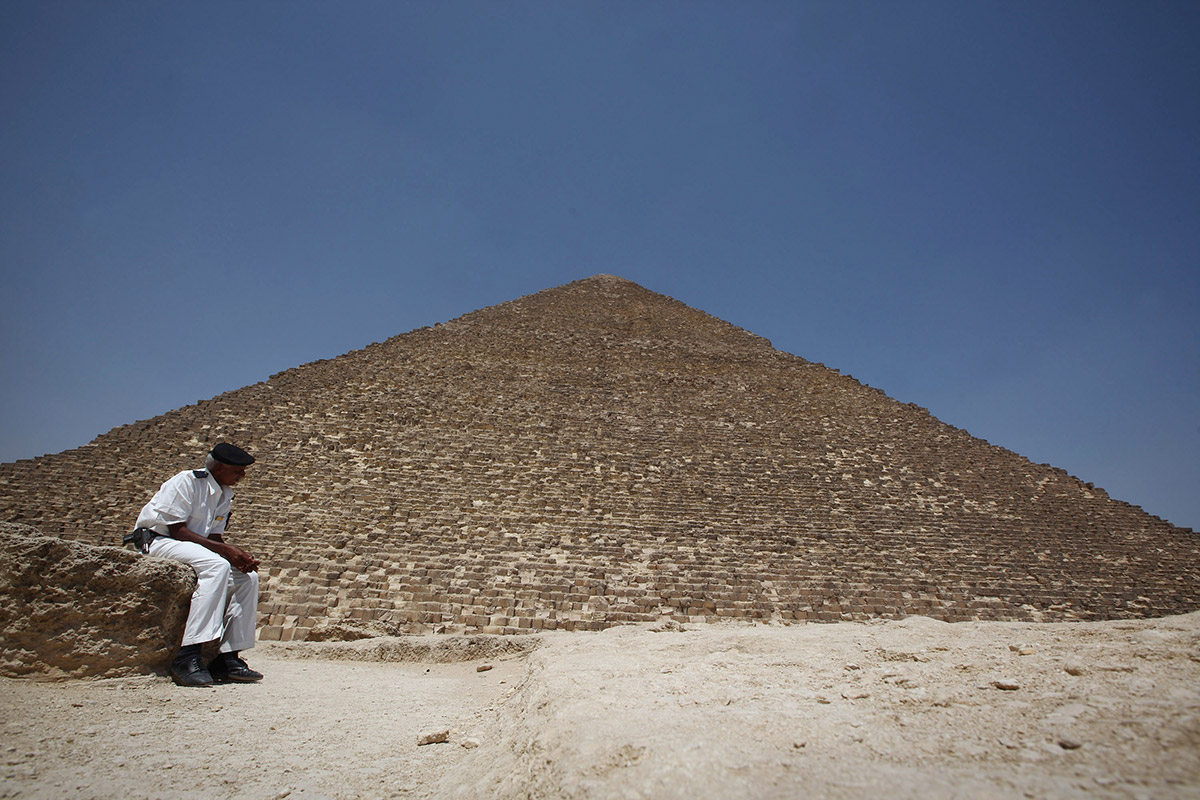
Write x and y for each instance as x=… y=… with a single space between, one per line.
x=223 y=490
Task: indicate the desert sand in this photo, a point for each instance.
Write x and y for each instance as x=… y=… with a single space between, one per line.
x=910 y=708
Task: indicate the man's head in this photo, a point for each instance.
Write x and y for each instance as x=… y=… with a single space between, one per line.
x=227 y=463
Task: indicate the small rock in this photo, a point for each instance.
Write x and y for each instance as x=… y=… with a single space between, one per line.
x=852 y=667
x=668 y=625
x=1073 y=668
x=1006 y=685
x=483 y=667
x=470 y=744
x=441 y=737
x=1067 y=743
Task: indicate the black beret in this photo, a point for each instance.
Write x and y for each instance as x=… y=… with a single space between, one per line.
x=232 y=454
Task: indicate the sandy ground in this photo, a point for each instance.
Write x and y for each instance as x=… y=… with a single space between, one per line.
x=915 y=708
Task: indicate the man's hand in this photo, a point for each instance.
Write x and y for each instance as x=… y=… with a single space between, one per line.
x=239 y=558
x=235 y=555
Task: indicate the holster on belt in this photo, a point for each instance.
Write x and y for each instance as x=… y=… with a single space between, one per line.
x=140 y=539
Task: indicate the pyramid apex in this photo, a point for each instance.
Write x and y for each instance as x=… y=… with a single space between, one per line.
x=604 y=279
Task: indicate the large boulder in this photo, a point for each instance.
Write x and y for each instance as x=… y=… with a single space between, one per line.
x=71 y=610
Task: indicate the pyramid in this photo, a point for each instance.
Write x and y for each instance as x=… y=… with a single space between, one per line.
x=597 y=454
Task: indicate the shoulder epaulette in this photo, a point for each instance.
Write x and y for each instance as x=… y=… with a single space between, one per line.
x=199 y=474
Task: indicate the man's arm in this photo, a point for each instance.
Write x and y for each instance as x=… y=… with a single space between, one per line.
x=231 y=553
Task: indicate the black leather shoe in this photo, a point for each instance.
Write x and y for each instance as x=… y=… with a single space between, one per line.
x=190 y=671
x=232 y=669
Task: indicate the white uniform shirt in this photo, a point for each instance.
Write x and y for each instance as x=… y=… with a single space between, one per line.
x=193 y=498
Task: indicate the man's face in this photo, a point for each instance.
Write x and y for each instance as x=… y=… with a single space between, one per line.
x=228 y=474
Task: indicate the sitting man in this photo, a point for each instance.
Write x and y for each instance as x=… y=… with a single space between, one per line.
x=189 y=514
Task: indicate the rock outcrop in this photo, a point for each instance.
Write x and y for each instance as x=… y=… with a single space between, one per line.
x=597 y=454
x=72 y=610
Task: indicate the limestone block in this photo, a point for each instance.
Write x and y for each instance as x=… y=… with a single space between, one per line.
x=69 y=609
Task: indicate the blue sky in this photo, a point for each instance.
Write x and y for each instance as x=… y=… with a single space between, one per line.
x=987 y=209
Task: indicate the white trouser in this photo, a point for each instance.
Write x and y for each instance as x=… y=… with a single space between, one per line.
x=225 y=603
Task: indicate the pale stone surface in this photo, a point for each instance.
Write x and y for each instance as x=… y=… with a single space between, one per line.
x=706 y=711
x=69 y=609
